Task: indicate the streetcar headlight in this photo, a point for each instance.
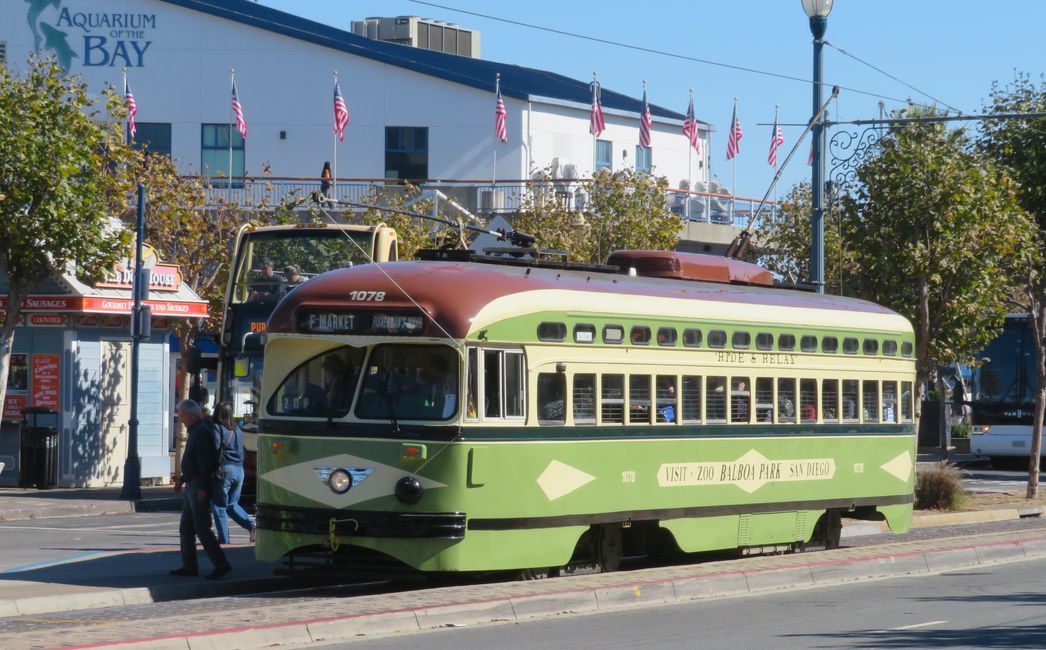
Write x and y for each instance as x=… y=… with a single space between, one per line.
x=339 y=481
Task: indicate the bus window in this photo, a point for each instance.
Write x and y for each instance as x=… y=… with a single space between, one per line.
x=870 y=405
x=808 y=400
x=850 y=396
x=740 y=399
x=889 y=401
x=584 y=399
x=410 y=382
x=612 y=399
x=491 y=383
x=715 y=400
x=786 y=400
x=472 y=388
x=639 y=398
x=552 y=393
x=321 y=387
x=666 y=398
x=906 y=401
x=830 y=400
x=691 y=399
x=764 y=399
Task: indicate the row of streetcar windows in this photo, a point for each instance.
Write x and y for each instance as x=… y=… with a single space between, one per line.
x=668 y=336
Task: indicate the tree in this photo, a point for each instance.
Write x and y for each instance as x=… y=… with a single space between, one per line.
x=783 y=242
x=935 y=230
x=1020 y=146
x=62 y=176
x=626 y=210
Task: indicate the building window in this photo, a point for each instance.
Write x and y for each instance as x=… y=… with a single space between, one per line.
x=644 y=159
x=3 y=53
x=604 y=154
x=214 y=153
x=155 y=137
x=407 y=152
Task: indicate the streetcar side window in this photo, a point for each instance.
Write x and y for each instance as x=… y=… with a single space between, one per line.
x=504 y=383
x=786 y=400
x=808 y=401
x=666 y=336
x=492 y=383
x=692 y=338
x=764 y=399
x=808 y=343
x=740 y=399
x=890 y=348
x=472 y=385
x=584 y=399
x=666 y=399
x=786 y=342
x=639 y=398
x=612 y=399
x=764 y=341
x=850 y=397
x=715 y=400
x=691 y=398
x=889 y=401
x=871 y=346
x=640 y=335
x=741 y=340
x=906 y=401
x=870 y=394
x=906 y=349
x=717 y=339
x=613 y=334
x=829 y=344
x=515 y=384
x=552 y=332
x=584 y=333
x=850 y=345
x=830 y=400
x=552 y=395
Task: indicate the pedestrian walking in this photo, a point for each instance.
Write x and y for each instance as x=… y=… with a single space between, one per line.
x=199 y=462
x=227 y=503
x=325 y=180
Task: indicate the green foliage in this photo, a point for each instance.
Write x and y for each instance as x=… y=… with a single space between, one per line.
x=412 y=233
x=939 y=488
x=62 y=174
x=626 y=211
x=937 y=235
x=961 y=430
x=783 y=242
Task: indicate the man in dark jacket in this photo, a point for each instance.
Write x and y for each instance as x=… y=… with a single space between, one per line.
x=199 y=460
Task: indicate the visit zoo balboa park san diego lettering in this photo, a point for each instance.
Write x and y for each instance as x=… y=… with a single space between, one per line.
x=749 y=472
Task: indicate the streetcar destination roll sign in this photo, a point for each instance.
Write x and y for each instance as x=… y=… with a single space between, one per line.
x=329 y=323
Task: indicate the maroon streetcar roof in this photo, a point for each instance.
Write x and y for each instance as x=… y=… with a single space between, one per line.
x=453 y=293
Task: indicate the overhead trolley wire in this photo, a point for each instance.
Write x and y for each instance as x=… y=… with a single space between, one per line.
x=651 y=50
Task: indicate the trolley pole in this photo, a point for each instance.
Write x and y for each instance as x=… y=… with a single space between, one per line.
x=132 y=468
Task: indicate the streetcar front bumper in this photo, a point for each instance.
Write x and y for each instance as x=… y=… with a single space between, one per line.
x=361 y=523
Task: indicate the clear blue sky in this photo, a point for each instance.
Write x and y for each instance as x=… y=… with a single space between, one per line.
x=950 y=49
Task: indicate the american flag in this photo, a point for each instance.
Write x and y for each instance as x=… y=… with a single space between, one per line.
x=241 y=124
x=646 y=122
x=733 y=144
x=690 y=127
x=500 y=117
x=776 y=139
x=132 y=107
x=596 y=123
x=341 y=113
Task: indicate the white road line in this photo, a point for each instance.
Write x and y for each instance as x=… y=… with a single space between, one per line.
x=916 y=625
x=115 y=529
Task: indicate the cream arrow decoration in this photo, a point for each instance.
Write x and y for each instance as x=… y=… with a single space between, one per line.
x=901 y=467
x=560 y=479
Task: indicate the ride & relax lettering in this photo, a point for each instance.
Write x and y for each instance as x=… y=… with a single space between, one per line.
x=749 y=472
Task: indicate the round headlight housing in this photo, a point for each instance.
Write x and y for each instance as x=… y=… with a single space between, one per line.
x=408 y=490
x=339 y=481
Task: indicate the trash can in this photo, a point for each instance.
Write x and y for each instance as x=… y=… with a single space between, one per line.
x=38 y=451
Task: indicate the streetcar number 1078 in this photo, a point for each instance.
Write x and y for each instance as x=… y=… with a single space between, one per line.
x=372 y=296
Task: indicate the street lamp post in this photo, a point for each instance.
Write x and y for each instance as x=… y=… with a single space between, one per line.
x=818 y=11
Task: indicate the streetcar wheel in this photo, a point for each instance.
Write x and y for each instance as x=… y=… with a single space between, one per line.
x=608 y=549
x=833 y=529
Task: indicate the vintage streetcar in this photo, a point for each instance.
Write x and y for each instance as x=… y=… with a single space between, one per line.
x=467 y=412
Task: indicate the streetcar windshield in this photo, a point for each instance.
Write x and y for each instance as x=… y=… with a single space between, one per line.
x=409 y=382
x=273 y=263
x=322 y=387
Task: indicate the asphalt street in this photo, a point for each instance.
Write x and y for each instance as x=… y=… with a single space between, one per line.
x=994 y=606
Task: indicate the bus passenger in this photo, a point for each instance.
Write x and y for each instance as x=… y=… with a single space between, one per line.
x=292 y=276
x=266 y=287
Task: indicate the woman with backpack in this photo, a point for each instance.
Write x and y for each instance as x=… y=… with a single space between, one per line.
x=226 y=503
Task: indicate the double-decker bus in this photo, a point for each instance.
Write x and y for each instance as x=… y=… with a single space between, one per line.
x=1002 y=395
x=268 y=262
x=466 y=412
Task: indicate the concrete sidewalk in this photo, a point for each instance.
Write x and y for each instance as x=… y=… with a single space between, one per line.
x=19 y=504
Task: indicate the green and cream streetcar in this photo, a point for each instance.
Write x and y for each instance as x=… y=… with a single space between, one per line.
x=472 y=413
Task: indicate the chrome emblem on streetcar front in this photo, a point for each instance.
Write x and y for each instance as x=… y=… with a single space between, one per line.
x=357 y=473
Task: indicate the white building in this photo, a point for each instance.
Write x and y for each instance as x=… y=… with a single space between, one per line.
x=414 y=113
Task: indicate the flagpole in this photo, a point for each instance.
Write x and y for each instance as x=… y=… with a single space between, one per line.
x=690 y=163
x=334 y=174
x=494 y=169
x=232 y=84
x=595 y=91
x=127 y=118
x=733 y=180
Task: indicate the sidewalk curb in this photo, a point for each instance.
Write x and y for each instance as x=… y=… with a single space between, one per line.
x=517 y=609
x=50 y=510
